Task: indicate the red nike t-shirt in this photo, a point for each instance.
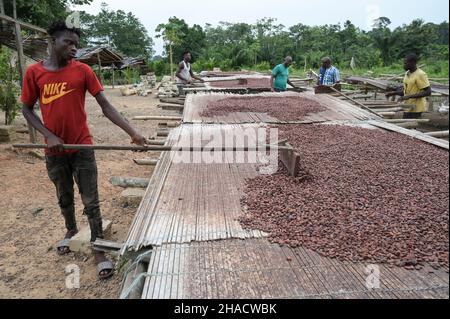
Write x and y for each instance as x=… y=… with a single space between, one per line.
x=62 y=97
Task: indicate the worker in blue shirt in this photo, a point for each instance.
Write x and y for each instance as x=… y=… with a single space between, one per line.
x=280 y=76
x=329 y=75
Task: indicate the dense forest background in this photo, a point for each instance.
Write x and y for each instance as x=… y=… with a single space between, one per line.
x=259 y=46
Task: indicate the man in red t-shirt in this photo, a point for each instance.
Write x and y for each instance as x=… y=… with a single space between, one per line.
x=60 y=84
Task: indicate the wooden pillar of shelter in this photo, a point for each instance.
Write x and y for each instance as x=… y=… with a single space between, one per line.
x=2 y=11
x=99 y=68
x=113 y=75
x=22 y=65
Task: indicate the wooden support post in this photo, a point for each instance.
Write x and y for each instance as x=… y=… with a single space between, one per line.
x=22 y=64
x=290 y=159
x=2 y=11
x=113 y=79
x=99 y=67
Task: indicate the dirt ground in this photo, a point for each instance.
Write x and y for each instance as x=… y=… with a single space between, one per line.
x=31 y=223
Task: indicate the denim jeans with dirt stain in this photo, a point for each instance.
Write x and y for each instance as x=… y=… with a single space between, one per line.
x=80 y=167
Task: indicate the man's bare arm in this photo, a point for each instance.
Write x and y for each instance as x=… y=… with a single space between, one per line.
x=195 y=77
x=290 y=83
x=272 y=80
x=111 y=113
x=399 y=92
x=54 y=142
x=424 y=93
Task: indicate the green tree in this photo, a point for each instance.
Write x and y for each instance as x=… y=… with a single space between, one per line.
x=42 y=12
x=384 y=39
x=9 y=90
x=172 y=33
x=120 y=30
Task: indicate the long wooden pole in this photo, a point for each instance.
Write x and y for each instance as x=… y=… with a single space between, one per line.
x=441 y=134
x=25 y=25
x=356 y=102
x=157 y=148
x=21 y=60
x=157 y=118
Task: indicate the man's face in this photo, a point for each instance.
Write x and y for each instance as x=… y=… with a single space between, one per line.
x=288 y=62
x=66 y=45
x=188 y=57
x=326 y=64
x=409 y=65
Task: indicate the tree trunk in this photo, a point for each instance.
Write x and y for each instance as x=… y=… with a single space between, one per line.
x=21 y=59
x=171 y=62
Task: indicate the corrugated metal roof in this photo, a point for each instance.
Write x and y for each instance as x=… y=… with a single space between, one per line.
x=107 y=55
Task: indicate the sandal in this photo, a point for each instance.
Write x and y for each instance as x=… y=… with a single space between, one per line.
x=63 y=247
x=105 y=268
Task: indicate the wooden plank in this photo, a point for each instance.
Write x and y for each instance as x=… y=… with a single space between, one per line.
x=291 y=160
x=23 y=24
x=415 y=134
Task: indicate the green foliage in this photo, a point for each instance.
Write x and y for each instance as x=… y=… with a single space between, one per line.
x=204 y=64
x=131 y=75
x=9 y=90
x=159 y=67
x=262 y=67
x=122 y=31
x=178 y=34
x=233 y=46
x=42 y=12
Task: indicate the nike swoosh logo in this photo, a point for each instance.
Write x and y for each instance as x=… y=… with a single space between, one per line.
x=51 y=99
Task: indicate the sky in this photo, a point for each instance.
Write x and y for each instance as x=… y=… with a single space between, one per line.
x=288 y=12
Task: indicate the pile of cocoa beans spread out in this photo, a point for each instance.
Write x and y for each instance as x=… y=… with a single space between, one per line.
x=363 y=196
x=262 y=83
x=282 y=108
